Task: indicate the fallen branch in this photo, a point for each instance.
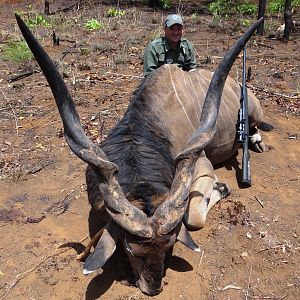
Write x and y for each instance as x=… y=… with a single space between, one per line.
x=268 y=297
x=295 y=96
x=71 y=7
x=34 y=220
x=22 y=75
x=264 y=45
x=21 y=107
x=123 y=75
x=65 y=53
x=67 y=40
x=87 y=250
x=39 y=168
x=259 y=201
x=283 y=297
x=230 y=286
x=63 y=204
x=249 y=280
x=66 y=9
x=271 y=248
x=200 y=263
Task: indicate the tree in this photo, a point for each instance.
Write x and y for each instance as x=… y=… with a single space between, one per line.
x=47 y=9
x=261 y=13
x=153 y=3
x=288 y=22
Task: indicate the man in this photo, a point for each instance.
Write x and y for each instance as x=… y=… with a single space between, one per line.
x=172 y=48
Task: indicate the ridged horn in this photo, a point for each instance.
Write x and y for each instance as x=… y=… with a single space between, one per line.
x=122 y=212
x=207 y=128
x=79 y=143
x=171 y=212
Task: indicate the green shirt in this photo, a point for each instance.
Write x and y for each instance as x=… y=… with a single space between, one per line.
x=158 y=53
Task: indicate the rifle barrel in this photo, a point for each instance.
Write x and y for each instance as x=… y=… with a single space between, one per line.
x=246 y=178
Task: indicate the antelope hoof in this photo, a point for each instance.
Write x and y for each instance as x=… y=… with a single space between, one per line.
x=257 y=144
x=222 y=188
x=83 y=255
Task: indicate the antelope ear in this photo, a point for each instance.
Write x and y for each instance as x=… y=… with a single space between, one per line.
x=185 y=238
x=103 y=251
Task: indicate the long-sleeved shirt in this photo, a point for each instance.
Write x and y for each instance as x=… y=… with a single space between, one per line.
x=158 y=53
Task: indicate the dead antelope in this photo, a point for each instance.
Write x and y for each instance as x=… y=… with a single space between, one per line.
x=153 y=175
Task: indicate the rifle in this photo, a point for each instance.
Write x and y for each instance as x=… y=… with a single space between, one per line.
x=243 y=128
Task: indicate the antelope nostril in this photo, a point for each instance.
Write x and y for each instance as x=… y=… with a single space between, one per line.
x=148 y=290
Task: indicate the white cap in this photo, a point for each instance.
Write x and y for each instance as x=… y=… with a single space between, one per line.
x=173 y=19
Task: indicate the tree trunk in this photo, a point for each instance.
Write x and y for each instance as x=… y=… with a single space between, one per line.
x=288 y=22
x=153 y=3
x=261 y=13
x=46 y=9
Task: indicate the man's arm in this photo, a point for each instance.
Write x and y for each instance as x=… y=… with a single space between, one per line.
x=150 y=60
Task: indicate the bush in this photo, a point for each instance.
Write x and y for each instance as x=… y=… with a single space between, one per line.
x=17 y=51
x=93 y=24
x=38 y=20
x=225 y=7
x=165 y=4
x=277 y=6
x=220 y=7
x=115 y=12
x=247 y=9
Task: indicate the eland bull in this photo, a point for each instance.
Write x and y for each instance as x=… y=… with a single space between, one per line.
x=153 y=177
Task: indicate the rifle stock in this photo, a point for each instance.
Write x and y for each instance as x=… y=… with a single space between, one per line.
x=246 y=177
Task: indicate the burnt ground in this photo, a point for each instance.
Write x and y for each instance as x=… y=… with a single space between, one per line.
x=250 y=244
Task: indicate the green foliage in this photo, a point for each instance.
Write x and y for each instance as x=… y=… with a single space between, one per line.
x=277 y=6
x=85 y=51
x=165 y=4
x=93 y=24
x=115 y=12
x=225 y=7
x=194 y=17
x=16 y=51
x=37 y=21
x=33 y=19
x=246 y=23
x=220 y=7
x=247 y=8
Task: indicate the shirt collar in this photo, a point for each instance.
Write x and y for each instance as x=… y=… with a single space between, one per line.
x=167 y=46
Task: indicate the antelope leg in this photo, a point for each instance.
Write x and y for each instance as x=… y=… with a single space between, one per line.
x=93 y=242
x=205 y=192
x=256 y=142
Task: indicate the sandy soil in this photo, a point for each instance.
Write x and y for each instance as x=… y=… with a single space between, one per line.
x=250 y=244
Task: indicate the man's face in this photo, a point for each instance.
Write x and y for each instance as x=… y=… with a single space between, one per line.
x=173 y=33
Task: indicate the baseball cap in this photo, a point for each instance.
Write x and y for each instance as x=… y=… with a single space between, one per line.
x=173 y=19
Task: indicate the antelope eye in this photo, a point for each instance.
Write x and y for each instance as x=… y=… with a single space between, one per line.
x=128 y=248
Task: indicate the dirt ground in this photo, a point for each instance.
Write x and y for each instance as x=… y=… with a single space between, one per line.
x=250 y=244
